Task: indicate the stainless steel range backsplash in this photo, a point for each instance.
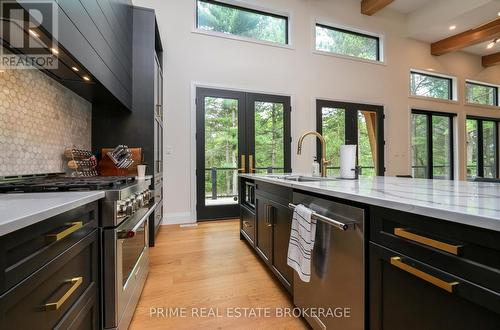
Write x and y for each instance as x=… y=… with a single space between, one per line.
x=39 y=118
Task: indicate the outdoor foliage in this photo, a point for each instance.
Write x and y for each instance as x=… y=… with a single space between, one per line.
x=430 y=86
x=240 y=22
x=221 y=144
x=269 y=142
x=344 y=43
x=441 y=148
x=472 y=147
x=480 y=94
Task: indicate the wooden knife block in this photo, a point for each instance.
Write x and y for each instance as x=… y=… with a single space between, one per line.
x=106 y=166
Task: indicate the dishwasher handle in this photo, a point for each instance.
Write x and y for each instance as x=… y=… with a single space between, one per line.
x=338 y=224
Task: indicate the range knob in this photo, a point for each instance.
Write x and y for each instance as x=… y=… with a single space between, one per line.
x=121 y=208
x=129 y=206
x=139 y=197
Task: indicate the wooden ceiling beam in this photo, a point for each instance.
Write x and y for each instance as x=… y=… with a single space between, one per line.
x=486 y=32
x=370 y=7
x=491 y=60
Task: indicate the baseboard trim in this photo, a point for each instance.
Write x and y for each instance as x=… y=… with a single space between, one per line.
x=179 y=218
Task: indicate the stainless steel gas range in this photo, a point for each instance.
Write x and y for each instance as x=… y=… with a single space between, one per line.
x=125 y=245
x=124 y=241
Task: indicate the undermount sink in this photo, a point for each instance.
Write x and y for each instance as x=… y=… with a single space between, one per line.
x=301 y=178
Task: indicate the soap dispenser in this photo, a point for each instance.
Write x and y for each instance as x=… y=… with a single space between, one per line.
x=315 y=167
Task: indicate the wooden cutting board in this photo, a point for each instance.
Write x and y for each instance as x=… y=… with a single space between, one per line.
x=106 y=167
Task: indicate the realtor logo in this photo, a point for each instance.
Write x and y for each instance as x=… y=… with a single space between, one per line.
x=28 y=32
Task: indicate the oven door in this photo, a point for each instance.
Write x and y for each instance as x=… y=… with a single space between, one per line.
x=125 y=268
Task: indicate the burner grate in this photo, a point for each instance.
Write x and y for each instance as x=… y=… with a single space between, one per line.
x=61 y=183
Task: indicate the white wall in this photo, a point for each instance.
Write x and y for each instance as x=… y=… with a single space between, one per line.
x=197 y=58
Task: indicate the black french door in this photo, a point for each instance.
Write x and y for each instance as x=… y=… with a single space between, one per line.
x=237 y=132
x=352 y=123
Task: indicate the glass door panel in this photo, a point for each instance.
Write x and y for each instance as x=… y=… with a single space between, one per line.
x=237 y=132
x=441 y=155
x=221 y=151
x=367 y=143
x=352 y=123
x=420 y=151
x=269 y=137
x=489 y=149
x=472 y=148
x=333 y=128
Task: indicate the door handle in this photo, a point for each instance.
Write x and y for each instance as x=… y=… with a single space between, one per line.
x=453 y=249
x=269 y=215
x=447 y=286
x=75 y=284
x=243 y=168
x=250 y=164
x=68 y=231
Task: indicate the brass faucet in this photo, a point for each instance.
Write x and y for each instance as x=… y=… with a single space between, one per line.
x=324 y=162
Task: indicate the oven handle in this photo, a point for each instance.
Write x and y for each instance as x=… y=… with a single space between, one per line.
x=129 y=233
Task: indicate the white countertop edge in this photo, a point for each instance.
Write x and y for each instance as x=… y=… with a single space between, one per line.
x=478 y=221
x=13 y=224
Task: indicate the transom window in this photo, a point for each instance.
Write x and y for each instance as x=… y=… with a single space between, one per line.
x=349 y=43
x=428 y=85
x=482 y=147
x=481 y=93
x=243 y=22
x=432 y=145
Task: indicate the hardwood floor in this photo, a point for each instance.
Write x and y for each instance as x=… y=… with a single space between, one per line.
x=207 y=273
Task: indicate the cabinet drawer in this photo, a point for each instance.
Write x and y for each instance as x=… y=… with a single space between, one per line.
x=84 y=314
x=408 y=294
x=42 y=300
x=468 y=252
x=276 y=193
x=247 y=223
x=27 y=250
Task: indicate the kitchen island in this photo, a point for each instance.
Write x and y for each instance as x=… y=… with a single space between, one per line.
x=430 y=248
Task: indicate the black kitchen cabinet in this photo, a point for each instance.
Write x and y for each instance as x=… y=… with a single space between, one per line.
x=408 y=294
x=247 y=224
x=426 y=273
x=272 y=220
x=143 y=126
x=281 y=220
x=96 y=37
x=263 y=241
x=63 y=294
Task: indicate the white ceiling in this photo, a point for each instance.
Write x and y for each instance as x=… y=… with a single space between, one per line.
x=429 y=20
x=407 y=6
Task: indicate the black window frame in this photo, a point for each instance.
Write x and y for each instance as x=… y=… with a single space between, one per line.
x=430 y=156
x=480 y=145
x=368 y=36
x=250 y=10
x=351 y=128
x=450 y=85
x=495 y=88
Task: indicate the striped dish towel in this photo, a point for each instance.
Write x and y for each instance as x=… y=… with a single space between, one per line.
x=301 y=242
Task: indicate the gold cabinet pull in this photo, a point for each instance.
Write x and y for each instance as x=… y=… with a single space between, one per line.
x=447 y=286
x=68 y=231
x=246 y=224
x=75 y=284
x=251 y=168
x=243 y=168
x=453 y=249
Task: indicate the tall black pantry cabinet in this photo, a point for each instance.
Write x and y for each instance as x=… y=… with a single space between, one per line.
x=142 y=127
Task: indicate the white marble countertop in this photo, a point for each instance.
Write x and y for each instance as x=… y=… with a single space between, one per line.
x=21 y=210
x=471 y=203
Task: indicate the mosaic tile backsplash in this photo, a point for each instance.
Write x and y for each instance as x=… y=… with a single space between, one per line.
x=39 y=118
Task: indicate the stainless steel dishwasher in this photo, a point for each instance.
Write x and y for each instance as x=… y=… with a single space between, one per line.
x=337 y=285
